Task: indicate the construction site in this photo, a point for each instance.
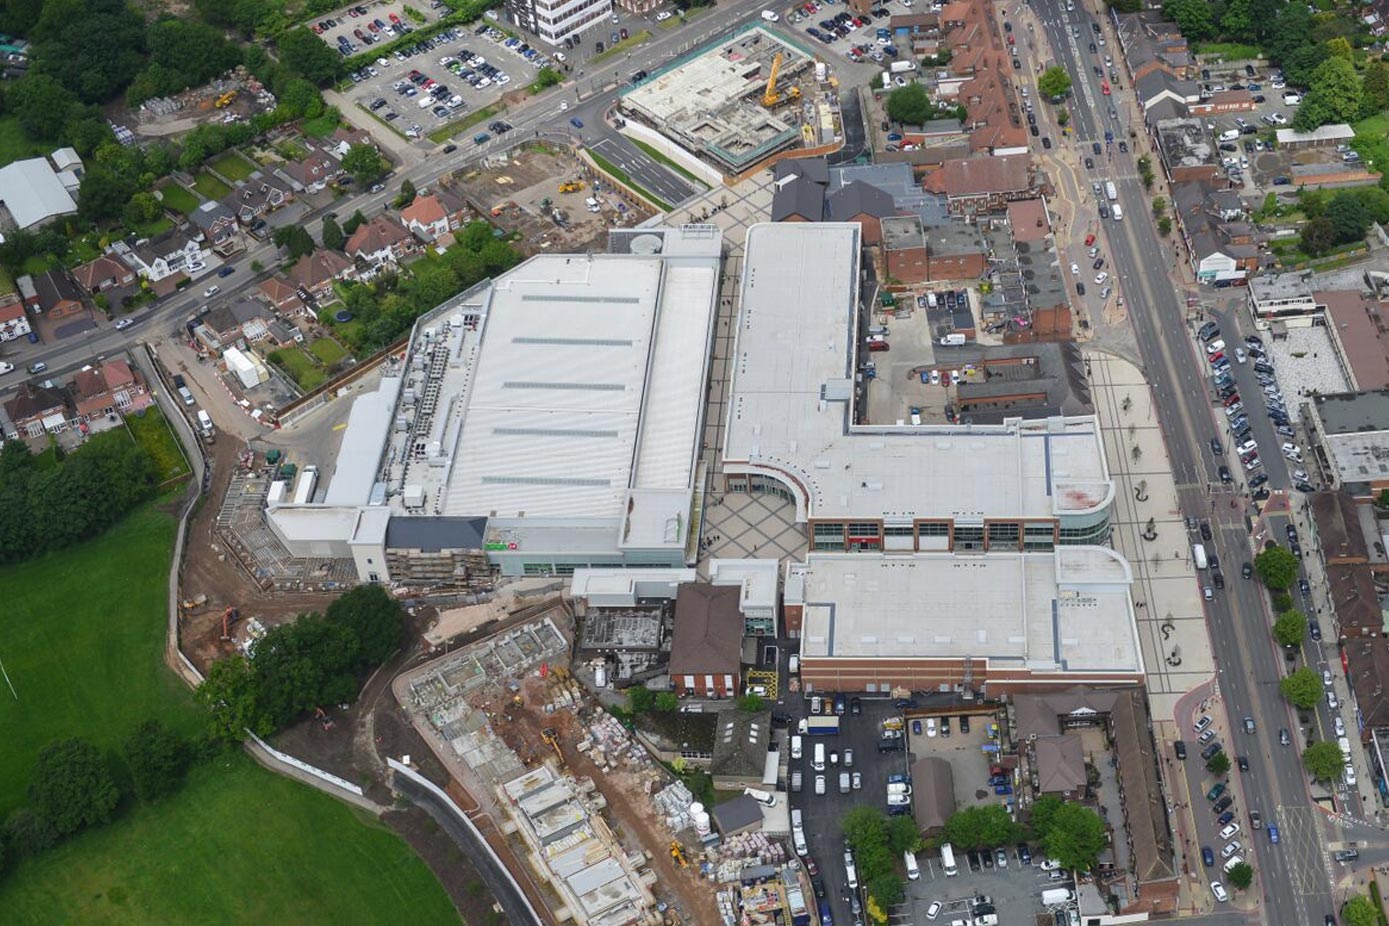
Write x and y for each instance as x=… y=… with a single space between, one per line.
x=738 y=102
x=234 y=97
x=520 y=194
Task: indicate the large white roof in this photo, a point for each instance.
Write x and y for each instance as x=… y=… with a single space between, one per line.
x=1067 y=610
x=791 y=407
x=32 y=192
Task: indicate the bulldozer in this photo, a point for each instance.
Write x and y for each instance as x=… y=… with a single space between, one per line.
x=678 y=853
x=572 y=186
x=771 y=97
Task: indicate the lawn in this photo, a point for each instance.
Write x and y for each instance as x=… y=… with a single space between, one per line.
x=299 y=367
x=177 y=198
x=153 y=228
x=209 y=186
x=328 y=351
x=236 y=845
x=1372 y=139
x=627 y=44
x=15 y=145
x=233 y=166
x=151 y=431
x=82 y=639
x=1228 y=51
x=323 y=126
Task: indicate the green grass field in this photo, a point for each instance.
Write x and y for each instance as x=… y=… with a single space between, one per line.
x=177 y=198
x=328 y=351
x=152 y=432
x=1372 y=139
x=209 y=186
x=321 y=127
x=15 y=145
x=237 y=845
x=300 y=367
x=1228 y=51
x=81 y=639
x=233 y=166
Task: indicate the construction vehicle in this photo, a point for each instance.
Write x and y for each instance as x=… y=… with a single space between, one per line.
x=194 y=604
x=501 y=207
x=678 y=853
x=572 y=186
x=552 y=740
x=229 y=617
x=772 y=97
x=225 y=99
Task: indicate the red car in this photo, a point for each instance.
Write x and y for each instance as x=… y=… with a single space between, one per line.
x=1089 y=240
x=395 y=19
x=1217 y=357
x=1104 y=87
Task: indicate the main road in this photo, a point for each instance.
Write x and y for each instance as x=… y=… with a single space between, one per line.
x=1294 y=874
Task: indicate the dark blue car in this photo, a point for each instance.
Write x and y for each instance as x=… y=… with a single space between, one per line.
x=1207 y=856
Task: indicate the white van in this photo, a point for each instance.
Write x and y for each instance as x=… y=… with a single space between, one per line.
x=947 y=860
x=770 y=17
x=818 y=763
x=953 y=340
x=796 y=746
x=913 y=870
x=931 y=300
x=1229 y=135
x=205 y=425
x=793 y=665
x=1118 y=211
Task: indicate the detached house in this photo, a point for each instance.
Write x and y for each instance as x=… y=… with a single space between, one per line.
x=256 y=198
x=380 y=241
x=314 y=172
x=219 y=228
x=433 y=215
x=317 y=272
x=243 y=319
x=166 y=256
x=57 y=295
x=104 y=273
x=107 y=389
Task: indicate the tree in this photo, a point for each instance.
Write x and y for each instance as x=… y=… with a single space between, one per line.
x=981 y=827
x=903 y=835
x=1374 y=92
x=544 y=78
x=301 y=98
x=1290 y=628
x=295 y=239
x=142 y=209
x=1164 y=225
x=1339 y=47
x=158 y=759
x=910 y=105
x=364 y=163
x=183 y=54
x=1193 y=16
x=28 y=833
x=354 y=221
x=1054 y=83
x=1241 y=875
x=1318 y=235
x=750 y=703
x=1324 y=761
x=72 y=786
x=1159 y=207
x=1218 y=764
x=375 y=619
x=1277 y=567
x=407 y=194
x=334 y=239
x=667 y=702
x=301 y=666
x=308 y=56
x=1349 y=214
x=92 y=47
x=41 y=105
x=1072 y=834
x=1333 y=95
x=1237 y=22
x=886 y=889
x=1360 y=911
x=1302 y=688
x=228 y=696
x=640 y=699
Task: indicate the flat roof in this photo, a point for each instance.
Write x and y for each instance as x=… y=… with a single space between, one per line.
x=1064 y=611
x=790 y=409
x=1356 y=430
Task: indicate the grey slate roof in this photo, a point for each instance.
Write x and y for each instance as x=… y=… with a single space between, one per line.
x=859 y=198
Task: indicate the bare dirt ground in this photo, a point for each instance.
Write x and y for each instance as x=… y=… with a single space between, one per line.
x=521 y=186
x=209 y=569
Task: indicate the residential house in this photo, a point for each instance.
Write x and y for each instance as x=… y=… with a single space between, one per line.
x=317 y=272
x=102 y=274
x=1149 y=43
x=110 y=388
x=36 y=409
x=58 y=295
x=1158 y=85
x=164 y=257
x=344 y=138
x=14 y=320
x=238 y=321
x=282 y=334
x=312 y=172
x=281 y=295
x=863 y=203
x=434 y=215
x=977 y=185
x=380 y=241
x=218 y=226
x=979 y=78
x=1220 y=245
x=706 y=650
x=256 y=197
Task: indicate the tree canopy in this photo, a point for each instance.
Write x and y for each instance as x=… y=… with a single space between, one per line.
x=183 y=54
x=1333 y=95
x=981 y=827
x=1218 y=764
x=158 y=759
x=1323 y=761
x=308 y=55
x=1302 y=688
x=1276 y=567
x=1054 y=83
x=1071 y=833
x=1241 y=875
x=878 y=842
x=1360 y=911
x=364 y=163
x=910 y=105
x=1290 y=628
x=92 y=47
x=72 y=787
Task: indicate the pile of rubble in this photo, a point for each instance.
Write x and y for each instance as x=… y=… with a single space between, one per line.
x=673 y=803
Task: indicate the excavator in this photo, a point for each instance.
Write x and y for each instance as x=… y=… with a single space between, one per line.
x=571 y=186
x=225 y=99
x=771 y=97
x=678 y=854
x=552 y=740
